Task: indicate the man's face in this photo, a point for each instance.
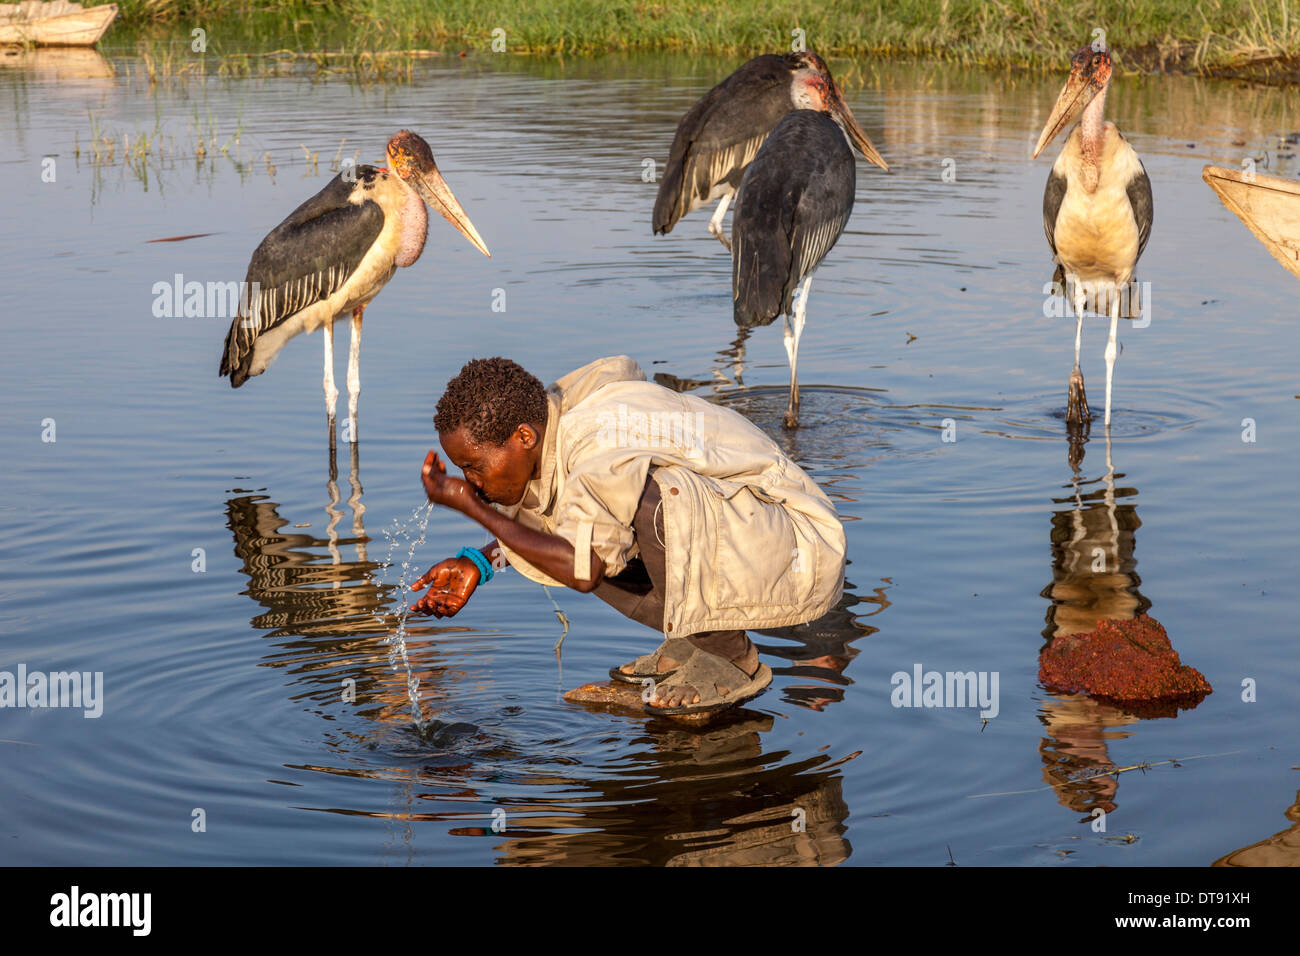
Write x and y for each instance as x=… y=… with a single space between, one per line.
x=499 y=473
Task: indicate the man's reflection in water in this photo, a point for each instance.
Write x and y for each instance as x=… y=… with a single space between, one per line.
x=823 y=648
x=686 y=797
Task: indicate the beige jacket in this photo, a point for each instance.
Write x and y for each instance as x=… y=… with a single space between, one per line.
x=750 y=540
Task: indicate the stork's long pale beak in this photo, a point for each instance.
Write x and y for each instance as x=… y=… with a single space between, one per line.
x=857 y=135
x=434 y=191
x=1078 y=93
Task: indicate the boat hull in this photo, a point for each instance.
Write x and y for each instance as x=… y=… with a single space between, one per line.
x=76 y=27
x=1269 y=206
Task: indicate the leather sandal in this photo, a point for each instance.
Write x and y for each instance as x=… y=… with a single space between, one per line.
x=704 y=672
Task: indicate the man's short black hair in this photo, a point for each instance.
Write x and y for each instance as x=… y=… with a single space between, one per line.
x=490 y=398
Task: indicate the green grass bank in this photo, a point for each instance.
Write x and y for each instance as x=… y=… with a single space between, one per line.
x=1258 y=39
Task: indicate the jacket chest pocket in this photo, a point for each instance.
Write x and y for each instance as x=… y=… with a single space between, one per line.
x=757 y=560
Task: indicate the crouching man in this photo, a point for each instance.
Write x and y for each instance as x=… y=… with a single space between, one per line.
x=679 y=513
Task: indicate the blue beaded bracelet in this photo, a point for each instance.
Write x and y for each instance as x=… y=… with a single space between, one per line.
x=484 y=566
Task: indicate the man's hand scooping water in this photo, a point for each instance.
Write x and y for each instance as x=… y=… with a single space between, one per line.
x=450 y=584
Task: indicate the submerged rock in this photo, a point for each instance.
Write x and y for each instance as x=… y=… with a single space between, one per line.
x=1129 y=662
x=616 y=697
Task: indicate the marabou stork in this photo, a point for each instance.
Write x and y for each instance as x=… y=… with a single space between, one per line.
x=723 y=132
x=332 y=255
x=794 y=201
x=1096 y=210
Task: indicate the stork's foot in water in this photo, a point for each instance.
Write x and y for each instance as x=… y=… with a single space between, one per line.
x=791 y=420
x=721 y=236
x=1076 y=410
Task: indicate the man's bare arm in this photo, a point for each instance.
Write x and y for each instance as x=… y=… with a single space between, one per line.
x=546 y=552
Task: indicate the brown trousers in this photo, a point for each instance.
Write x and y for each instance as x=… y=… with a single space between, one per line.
x=638 y=591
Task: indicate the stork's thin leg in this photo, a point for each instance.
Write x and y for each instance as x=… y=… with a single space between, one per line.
x=791 y=416
x=1111 y=351
x=793 y=330
x=715 y=224
x=354 y=372
x=331 y=393
x=1076 y=410
x=1078 y=334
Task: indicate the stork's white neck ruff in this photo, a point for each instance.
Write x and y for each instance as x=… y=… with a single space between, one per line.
x=804 y=94
x=414 y=226
x=804 y=98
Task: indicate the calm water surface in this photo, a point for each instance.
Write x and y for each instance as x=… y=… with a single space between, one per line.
x=224 y=688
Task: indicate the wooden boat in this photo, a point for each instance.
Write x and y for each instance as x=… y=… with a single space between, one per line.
x=1268 y=205
x=54 y=23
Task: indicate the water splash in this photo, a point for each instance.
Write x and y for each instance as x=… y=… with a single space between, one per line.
x=398 y=659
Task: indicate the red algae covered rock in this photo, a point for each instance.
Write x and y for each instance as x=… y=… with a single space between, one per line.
x=1129 y=662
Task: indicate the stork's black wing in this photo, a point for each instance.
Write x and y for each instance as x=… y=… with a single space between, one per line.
x=305 y=259
x=1052 y=196
x=721 y=134
x=1139 y=197
x=794 y=201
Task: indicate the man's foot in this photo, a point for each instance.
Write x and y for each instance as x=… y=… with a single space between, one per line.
x=709 y=682
x=660 y=663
